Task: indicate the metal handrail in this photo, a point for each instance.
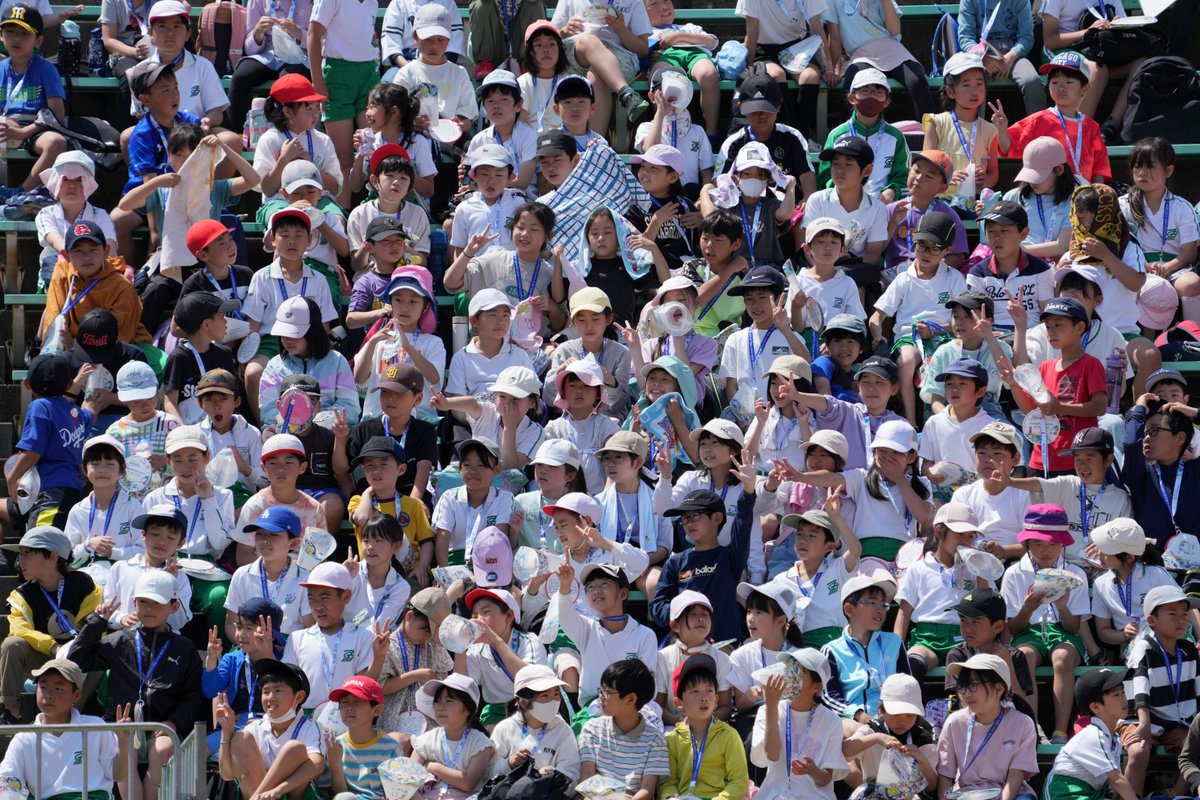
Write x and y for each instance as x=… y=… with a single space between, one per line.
x=187 y=765
x=127 y=728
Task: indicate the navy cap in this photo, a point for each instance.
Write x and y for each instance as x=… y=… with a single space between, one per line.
x=381 y=447
x=965 y=368
x=760 y=277
x=1092 y=439
x=1008 y=212
x=573 y=86
x=50 y=374
x=256 y=607
x=277 y=519
x=1067 y=307
x=85 y=230
x=936 y=229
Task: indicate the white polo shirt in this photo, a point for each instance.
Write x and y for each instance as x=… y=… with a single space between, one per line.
x=328 y=660
x=455 y=514
x=495 y=684
x=867 y=223
x=349 y=28
x=302 y=729
x=200 y=89
x=57 y=766
x=285 y=591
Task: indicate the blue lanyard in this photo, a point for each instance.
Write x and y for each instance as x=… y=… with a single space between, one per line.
x=812 y=585
x=412 y=687
x=458 y=752
x=1127 y=595
x=1171 y=502
x=251 y=687
x=308 y=144
x=291 y=11
x=1085 y=509
x=508 y=148
x=970 y=731
x=632 y=518
x=135 y=18
x=865 y=655
x=863 y=136
x=1075 y=152
x=787 y=736
x=516 y=638
x=262 y=577
x=541 y=110
x=74 y=301
x=383 y=600
x=750 y=229
x=10 y=93
x=698 y=752
x=63 y=622
x=1046 y=232
x=387 y=431
x=108 y=514
x=232 y=283
x=537 y=268
x=1166 y=220
x=898 y=503
x=712 y=487
x=968 y=149
x=1176 y=681
x=543 y=520
x=162 y=137
x=195 y=516
x=721 y=293
x=541 y=734
x=762 y=345
x=330 y=668
x=283 y=287
x=196 y=355
x=666 y=346
x=144 y=677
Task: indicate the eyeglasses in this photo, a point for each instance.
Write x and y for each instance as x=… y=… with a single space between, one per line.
x=605 y=694
x=929 y=248
x=969 y=688
x=874 y=605
x=693 y=516
x=1152 y=432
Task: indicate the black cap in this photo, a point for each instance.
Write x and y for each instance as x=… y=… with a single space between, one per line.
x=608 y=571
x=1008 y=212
x=574 y=86
x=882 y=366
x=760 y=93
x=305 y=383
x=256 y=607
x=146 y=75
x=556 y=142
x=1091 y=686
x=936 y=228
x=25 y=17
x=965 y=368
x=380 y=447
x=85 y=230
x=761 y=277
x=697 y=500
x=290 y=674
x=97 y=339
x=1067 y=307
x=973 y=300
x=1095 y=438
x=49 y=375
x=982 y=603
x=383 y=227
x=854 y=146
x=194 y=308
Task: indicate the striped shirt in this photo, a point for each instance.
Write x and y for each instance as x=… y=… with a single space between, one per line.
x=633 y=755
x=1165 y=683
x=360 y=764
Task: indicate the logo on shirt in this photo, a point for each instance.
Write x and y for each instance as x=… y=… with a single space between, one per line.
x=347 y=656
x=491 y=520
x=698 y=572
x=403 y=519
x=833 y=587
x=195 y=91
x=943 y=297
x=78 y=758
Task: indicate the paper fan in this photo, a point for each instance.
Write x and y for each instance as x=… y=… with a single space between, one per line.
x=909 y=554
x=602 y=787
x=138 y=472
x=295 y=410
x=1054 y=583
x=446 y=131
x=413 y=723
x=981 y=564
x=1182 y=552
x=1033 y=424
x=402 y=777
x=952 y=473
x=328 y=717
x=98 y=571
x=316 y=546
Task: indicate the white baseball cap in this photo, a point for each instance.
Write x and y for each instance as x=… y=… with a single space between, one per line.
x=536 y=678
x=292 y=318
x=895 y=434
x=869 y=77
x=284 y=443
x=983 y=661
x=490 y=155
x=685 y=600
x=136 y=381
x=1120 y=535
x=829 y=440
x=517 y=381
x=455 y=680
x=722 y=429
x=821 y=225
x=487 y=299
x=557 y=453
x=186 y=436
x=155 y=584
x=856 y=583
x=958 y=517
x=577 y=502
x=431 y=20
x=1165 y=595
x=329 y=575
x=778 y=591
x=962 y=62
x=901 y=694
x=1086 y=271
x=810 y=659
x=167 y=8
x=300 y=173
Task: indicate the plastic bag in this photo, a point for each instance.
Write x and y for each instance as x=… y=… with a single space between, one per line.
x=732 y=59
x=52 y=339
x=287 y=48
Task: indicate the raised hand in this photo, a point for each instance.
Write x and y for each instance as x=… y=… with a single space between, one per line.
x=479 y=241
x=745 y=471
x=215 y=648
x=999 y=118
x=566 y=577
x=106 y=609
x=351 y=562
x=773 y=690
x=226 y=719
x=341 y=425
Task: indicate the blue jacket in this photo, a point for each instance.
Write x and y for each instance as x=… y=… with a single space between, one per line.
x=227 y=678
x=1149 y=508
x=1013 y=26
x=854 y=681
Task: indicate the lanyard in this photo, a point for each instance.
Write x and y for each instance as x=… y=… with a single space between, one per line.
x=987 y=27
x=970 y=731
x=541 y=734
x=537 y=268
x=11 y=93
x=1171 y=502
x=867 y=436
x=196 y=355
x=144 y=677
x=541 y=109
x=750 y=229
x=291 y=11
x=387 y=592
x=108 y=514
x=135 y=18
x=712 y=487
x=666 y=345
x=787 y=736
x=233 y=285
x=412 y=687
x=74 y=301
x=516 y=638
x=1085 y=509
x=897 y=501
x=786 y=431
x=63 y=622
x=599 y=356
x=195 y=516
x=308 y=143
x=162 y=137
x=457 y=752
x=762 y=345
x=812 y=585
x=1166 y=220
x=262 y=577
x=508 y=148
x=331 y=667
x=684 y=205
x=543 y=520
x=1042 y=216
x=1176 y=681
x=283 y=287
x=632 y=518
x=1075 y=152
x=387 y=431
x=251 y=687
x=863 y=136
x=1127 y=595
x=698 y=752
x=725 y=286
x=969 y=149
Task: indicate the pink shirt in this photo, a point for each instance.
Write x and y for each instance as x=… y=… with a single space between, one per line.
x=1013 y=745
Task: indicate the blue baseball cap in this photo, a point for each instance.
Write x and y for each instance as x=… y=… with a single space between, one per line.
x=965 y=368
x=277 y=519
x=1067 y=307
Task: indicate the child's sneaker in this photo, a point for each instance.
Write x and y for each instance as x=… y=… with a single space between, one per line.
x=635 y=105
x=9 y=191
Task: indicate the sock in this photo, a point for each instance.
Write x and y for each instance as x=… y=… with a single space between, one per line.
x=808 y=108
x=625 y=94
x=917 y=667
x=1191 y=308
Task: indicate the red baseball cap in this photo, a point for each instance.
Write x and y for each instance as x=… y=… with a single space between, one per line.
x=294 y=88
x=359 y=686
x=204 y=233
x=383 y=152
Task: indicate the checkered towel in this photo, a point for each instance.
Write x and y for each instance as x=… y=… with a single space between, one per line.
x=599 y=179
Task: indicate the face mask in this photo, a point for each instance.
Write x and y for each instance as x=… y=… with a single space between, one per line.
x=287 y=716
x=869 y=106
x=752 y=187
x=544 y=712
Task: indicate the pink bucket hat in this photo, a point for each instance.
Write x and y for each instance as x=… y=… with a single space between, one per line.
x=1046 y=522
x=588 y=371
x=428 y=321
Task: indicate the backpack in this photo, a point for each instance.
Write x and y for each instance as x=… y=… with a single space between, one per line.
x=945 y=42
x=223 y=56
x=1164 y=100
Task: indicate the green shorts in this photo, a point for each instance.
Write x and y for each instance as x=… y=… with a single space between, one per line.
x=268 y=346
x=883 y=547
x=1129 y=337
x=348 y=83
x=935 y=636
x=819 y=637
x=1053 y=637
x=1066 y=787
x=626 y=60
x=683 y=58
x=493 y=713
x=457 y=558
x=562 y=642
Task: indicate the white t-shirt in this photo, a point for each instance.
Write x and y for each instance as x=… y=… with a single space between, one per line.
x=433 y=349
x=52 y=764
x=633 y=11
x=269 y=288
x=910 y=298
x=84 y=521
x=447 y=84
x=1089 y=755
x=495 y=685
x=323 y=251
x=521 y=146
x=210 y=520
x=1001 y=516
x=865 y=224
x=382 y=605
x=317 y=146
x=1107 y=600
x=200 y=89
x=1068 y=12
x=781 y=22
x=819 y=600
x=748 y=659
x=51 y=220
x=1102 y=503
x=420 y=151
x=781 y=438
x=693 y=143
x=555 y=748
x=487 y=425
x=472 y=372
x=1019 y=578
x=475 y=213
x=838 y=295
x=398 y=27
x=414 y=219
x=537 y=102
x=328 y=660
x=346 y=25
x=1181 y=227
x=455 y=514
x=889 y=518
x=598 y=648
x=302 y=729
x=431 y=748
x=946 y=439
x=285 y=591
x=816 y=734
x=931 y=588
x=1120 y=308
x=749 y=353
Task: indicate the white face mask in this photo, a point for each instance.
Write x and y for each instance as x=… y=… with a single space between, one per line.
x=752 y=187
x=287 y=716
x=544 y=712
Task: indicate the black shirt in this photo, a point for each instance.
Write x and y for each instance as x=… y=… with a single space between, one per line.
x=420 y=444
x=240 y=275
x=676 y=242
x=318 y=449
x=609 y=275
x=182 y=373
x=759 y=225
x=786 y=145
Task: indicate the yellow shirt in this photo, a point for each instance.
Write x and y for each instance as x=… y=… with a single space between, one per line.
x=723 y=774
x=412 y=519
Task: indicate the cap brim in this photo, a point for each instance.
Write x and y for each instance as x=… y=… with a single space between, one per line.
x=391 y=386
x=25 y=26
x=965 y=609
x=543 y=152
x=281 y=328
x=1001 y=219
x=752 y=106
x=285 y=451
x=432 y=30
x=1032 y=176
x=153 y=597
x=490 y=162
x=300 y=184
x=95 y=355
x=901 y=707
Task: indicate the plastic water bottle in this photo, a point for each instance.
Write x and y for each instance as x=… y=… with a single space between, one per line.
x=97 y=55
x=256 y=123
x=1114 y=373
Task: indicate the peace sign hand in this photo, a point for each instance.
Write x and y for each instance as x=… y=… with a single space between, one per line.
x=351 y=562
x=341 y=425
x=745 y=471
x=479 y=241
x=999 y=118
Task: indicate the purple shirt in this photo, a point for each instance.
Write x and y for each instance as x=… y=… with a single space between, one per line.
x=847 y=418
x=898 y=251
x=367 y=291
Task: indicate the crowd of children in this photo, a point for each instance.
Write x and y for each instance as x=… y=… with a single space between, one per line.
x=731 y=469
